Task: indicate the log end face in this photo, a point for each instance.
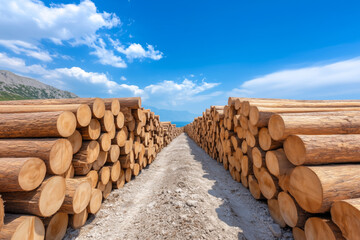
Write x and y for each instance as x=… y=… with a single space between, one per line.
x=52 y=196
x=76 y=141
x=254 y=115
x=272 y=163
x=57 y=226
x=79 y=220
x=81 y=197
x=115 y=106
x=346 y=215
x=105 y=142
x=94 y=129
x=288 y=209
x=61 y=155
x=295 y=150
x=66 y=124
x=264 y=139
x=98 y=108
x=32 y=174
x=108 y=120
x=267 y=185
x=317 y=228
x=95 y=201
x=276 y=127
x=31 y=228
x=120 y=120
x=257 y=158
x=93 y=151
x=83 y=115
x=306 y=188
x=115 y=171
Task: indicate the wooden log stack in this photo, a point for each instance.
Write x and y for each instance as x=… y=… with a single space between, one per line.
x=301 y=156
x=60 y=158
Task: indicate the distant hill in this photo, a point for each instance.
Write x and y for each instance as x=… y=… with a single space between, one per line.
x=15 y=87
x=172 y=115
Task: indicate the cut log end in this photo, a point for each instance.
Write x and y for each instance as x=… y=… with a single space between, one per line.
x=60 y=156
x=295 y=150
x=95 y=201
x=98 y=108
x=318 y=228
x=19 y=227
x=79 y=220
x=57 y=226
x=66 y=124
x=32 y=173
x=52 y=196
x=276 y=127
x=81 y=197
x=306 y=188
x=83 y=115
x=76 y=141
x=346 y=215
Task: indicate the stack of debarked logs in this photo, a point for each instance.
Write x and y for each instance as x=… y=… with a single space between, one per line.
x=59 y=158
x=301 y=156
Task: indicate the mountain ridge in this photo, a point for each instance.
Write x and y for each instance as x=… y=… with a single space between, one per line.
x=15 y=87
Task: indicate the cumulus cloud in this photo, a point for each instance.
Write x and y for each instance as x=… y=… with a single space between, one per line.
x=34 y=21
x=136 y=51
x=123 y=78
x=107 y=57
x=75 y=24
x=310 y=82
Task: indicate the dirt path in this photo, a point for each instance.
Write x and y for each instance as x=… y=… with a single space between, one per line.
x=184 y=194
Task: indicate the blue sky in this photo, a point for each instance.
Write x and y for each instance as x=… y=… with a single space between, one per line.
x=185 y=55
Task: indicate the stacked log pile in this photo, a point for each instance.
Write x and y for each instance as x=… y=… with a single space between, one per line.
x=59 y=158
x=300 y=156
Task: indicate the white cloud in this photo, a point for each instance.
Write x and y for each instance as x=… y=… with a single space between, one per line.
x=122 y=78
x=310 y=82
x=34 y=21
x=136 y=51
x=166 y=93
x=107 y=57
x=28 y=49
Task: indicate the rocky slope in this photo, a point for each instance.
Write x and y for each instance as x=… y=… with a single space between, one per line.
x=13 y=87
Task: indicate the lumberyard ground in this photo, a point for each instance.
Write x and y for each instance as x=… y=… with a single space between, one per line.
x=184 y=194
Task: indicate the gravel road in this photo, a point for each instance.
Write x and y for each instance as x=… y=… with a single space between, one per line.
x=184 y=194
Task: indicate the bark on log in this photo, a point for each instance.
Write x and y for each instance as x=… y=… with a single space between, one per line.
x=56 y=153
x=96 y=104
x=322 y=149
x=32 y=125
x=21 y=174
x=283 y=125
x=81 y=111
x=43 y=201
